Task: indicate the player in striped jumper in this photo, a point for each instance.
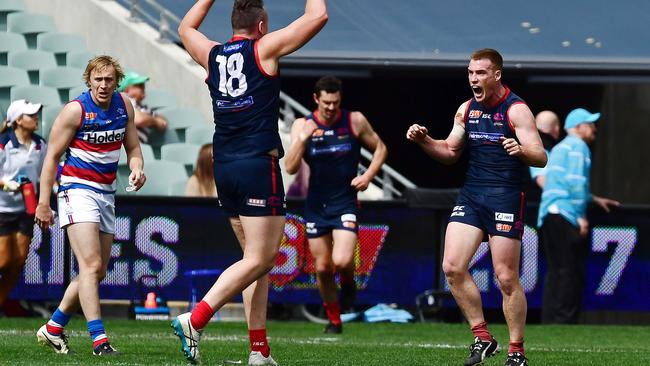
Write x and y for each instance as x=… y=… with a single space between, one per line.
x=90 y=130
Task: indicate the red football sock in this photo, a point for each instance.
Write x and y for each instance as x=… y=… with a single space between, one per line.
x=259 y=342
x=333 y=312
x=480 y=330
x=516 y=346
x=201 y=315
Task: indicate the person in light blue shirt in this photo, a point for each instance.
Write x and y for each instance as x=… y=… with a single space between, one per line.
x=562 y=217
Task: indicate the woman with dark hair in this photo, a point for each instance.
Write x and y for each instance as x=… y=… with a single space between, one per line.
x=201 y=183
x=21 y=159
x=245 y=89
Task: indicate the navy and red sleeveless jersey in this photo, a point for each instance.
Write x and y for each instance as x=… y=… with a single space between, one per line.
x=489 y=163
x=333 y=154
x=245 y=102
x=93 y=153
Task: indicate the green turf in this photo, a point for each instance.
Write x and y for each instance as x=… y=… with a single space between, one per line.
x=298 y=343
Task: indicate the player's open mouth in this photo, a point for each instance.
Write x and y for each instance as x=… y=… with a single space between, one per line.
x=477 y=90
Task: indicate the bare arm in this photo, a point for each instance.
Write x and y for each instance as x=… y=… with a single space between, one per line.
x=290 y=38
x=195 y=42
x=63 y=130
x=370 y=139
x=301 y=131
x=530 y=148
x=445 y=151
x=144 y=119
x=134 y=157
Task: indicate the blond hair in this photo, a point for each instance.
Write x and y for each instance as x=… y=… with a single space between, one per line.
x=100 y=63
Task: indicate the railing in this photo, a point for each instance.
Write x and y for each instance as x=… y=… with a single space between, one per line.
x=164 y=20
x=290 y=109
x=387 y=179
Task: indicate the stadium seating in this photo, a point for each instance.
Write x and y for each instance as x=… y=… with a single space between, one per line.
x=60 y=44
x=37 y=94
x=161 y=176
x=180 y=119
x=199 y=135
x=48 y=115
x=159 y=98
x=63 y=79
x=30 y=25
x=10 y=42
x=10 y=76
x=77 y=91
x=177 y=188
x=183 y=153
x=33 y=61
x=7 y=7
x=147 y=154
x=79 y=58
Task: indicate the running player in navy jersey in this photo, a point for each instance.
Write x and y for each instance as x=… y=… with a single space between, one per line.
x=91 y=130
x=499 y=130
x=329 y=141
x=245 y=89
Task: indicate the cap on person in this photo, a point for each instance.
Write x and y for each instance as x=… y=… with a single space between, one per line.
x=132 y=78
x=20 y=107
x=578 y=116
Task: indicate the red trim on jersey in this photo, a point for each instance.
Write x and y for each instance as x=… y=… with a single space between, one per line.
x=336 y=120
x=512 y=128
x=2 y=146
x=83 y=145
x=274 y=187
x=83 y=113
x=87 y=174
x=467 y=110
x=237 y=38
x=352 y=125
x=503 y=98
x=259 y=64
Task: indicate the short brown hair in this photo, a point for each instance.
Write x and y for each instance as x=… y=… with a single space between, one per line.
x=491 y=54
x=329 y=84
x=101 y=62
x=247 y=13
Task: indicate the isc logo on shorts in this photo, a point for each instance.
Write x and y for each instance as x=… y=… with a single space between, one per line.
x=458 y=211
x=311 y=228
x=256 y=202
x=507 y=217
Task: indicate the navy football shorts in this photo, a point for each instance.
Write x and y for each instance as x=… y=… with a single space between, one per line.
x=321 y=222
x=251 y=186
x=497 y=211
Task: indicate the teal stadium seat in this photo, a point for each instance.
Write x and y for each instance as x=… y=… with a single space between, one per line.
x=147 y=154
x=161 y=176
x=33 y=61
x=79 y=59
x=7 y=7
x=183 y=153
x=177 y=188
x=30 y=25
x=199 y=135
x=77 y=91
x=10 y=76
x=159 y=98
x=48 y=115
x=10 y=42
x=180 y=119
x=63 y=79
x=45 y=95
x=60 y=44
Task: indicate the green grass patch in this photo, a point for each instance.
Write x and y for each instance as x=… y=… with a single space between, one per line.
x=299 y=343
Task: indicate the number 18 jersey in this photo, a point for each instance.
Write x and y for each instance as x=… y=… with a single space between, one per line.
x=245 y=102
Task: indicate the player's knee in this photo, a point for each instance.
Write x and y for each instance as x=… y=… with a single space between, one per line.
x=453 y=271
x=93 y=269
x=343 y=264
x=508 y=281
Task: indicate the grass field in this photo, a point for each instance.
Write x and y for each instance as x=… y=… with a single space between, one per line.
x=299 y=343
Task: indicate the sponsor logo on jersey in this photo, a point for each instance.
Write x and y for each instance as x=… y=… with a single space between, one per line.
x=486 y=115
x=485 y=136
x=349 y=217
x=241 y=103
x=473 y=121
x=475 y=113
x=274 y=201
x=504 y=228
x=318 y=132
x=256 y=202
x=507 y=217
x=329 y=133
x=332 y=149
x=499 y=117
x=233 y=47
x=121 y=111
x=90 y=116
x=104 y=137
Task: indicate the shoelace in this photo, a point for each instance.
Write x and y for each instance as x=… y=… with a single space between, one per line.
x=475 y=347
